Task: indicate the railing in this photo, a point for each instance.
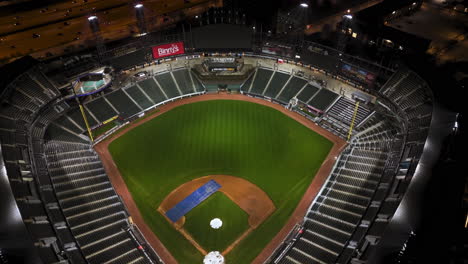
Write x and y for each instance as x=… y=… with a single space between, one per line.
x=392 y=108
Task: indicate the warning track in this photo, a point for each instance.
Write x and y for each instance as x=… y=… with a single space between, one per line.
x=296 y=217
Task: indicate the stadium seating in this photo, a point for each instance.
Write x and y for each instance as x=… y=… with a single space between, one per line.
x=89 y=203
x=131 y=59
x=291 y=89
x=125 y=105
x=168 y=85
x=277 y=82
x=74 y=214
x=261 y=79
x=307 y=93
x=138 y=96
x=127 y=102
x=340 y=206
x=184 y=81
x=100 y=110
x=343 y=110
x=152 y=90
x=323 y=99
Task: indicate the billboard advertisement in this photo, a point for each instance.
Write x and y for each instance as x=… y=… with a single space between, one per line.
x=170 y=49
x=358 y=74
x=278 y=50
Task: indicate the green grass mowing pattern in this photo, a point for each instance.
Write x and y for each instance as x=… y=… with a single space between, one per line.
x=103 y=129
x=235 y=222
x=238 y=138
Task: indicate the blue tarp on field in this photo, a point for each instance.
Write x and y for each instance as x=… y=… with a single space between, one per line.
x=191 y=201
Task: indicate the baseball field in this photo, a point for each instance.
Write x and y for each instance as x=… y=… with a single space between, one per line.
x=241 y=143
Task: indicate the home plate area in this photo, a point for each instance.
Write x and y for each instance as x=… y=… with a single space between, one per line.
x=214 y=213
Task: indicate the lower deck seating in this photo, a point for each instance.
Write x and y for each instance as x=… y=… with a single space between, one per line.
x=343 y=110
x=323 y=99
x=152 y=90
x=277 y=82
x=184 y=81
x=123 y=104
x=167 y=83
x=307 y=93
x=96 y=215
x=339 y=208
x=261 y=78
x=138 y=96
x=291 y=89
x=100 y=109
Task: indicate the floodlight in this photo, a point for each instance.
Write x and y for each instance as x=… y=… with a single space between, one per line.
x=139 y=5
x=348 y=16
x=305 y=5
x=91 y=18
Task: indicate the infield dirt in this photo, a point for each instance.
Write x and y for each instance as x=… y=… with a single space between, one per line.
x=296 y=217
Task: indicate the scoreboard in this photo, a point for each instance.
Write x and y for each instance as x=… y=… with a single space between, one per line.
x=221 y=64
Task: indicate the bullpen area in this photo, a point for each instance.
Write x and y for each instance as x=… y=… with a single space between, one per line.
x=261 y=160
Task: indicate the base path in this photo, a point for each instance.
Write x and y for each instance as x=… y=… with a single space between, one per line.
x=248 y=196
x=296 y=217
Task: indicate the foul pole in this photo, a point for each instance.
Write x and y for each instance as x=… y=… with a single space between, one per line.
x=352 y=120
x=90 y=133
x=86 y=122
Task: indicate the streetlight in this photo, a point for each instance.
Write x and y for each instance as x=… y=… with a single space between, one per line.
x=91 y=18
x=304 y=4
x=139 y=5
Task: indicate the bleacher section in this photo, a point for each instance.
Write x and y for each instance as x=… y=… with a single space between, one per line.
x=131 y=59
x=123 y=104
x=261 y=79
x=167 y=83
x=343 y=110
x=67 y=122
x=153 y=90
x=291 y=89
x=100 y=109
x=74 y=215
x=338 y=210
x=184 y=81
x=52 y=240
x=138 y=96
x=62 y=134
x=323 y=99
x=277 y=82
x=198 y=85
x=97 y=218
x=307 y=93
x=76 y=117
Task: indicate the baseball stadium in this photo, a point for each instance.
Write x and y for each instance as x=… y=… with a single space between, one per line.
x=214 y=144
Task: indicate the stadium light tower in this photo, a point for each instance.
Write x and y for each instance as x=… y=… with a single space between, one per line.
x=91 y=18
x=344 y=31
x=140 y=16
x=94 y=25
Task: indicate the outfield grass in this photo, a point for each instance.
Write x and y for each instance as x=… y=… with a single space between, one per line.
x=243 y=139
x=103 y=129
x=235 y=222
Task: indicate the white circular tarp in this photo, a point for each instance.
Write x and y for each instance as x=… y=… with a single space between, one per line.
x=214 y=257
x=216 y=223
